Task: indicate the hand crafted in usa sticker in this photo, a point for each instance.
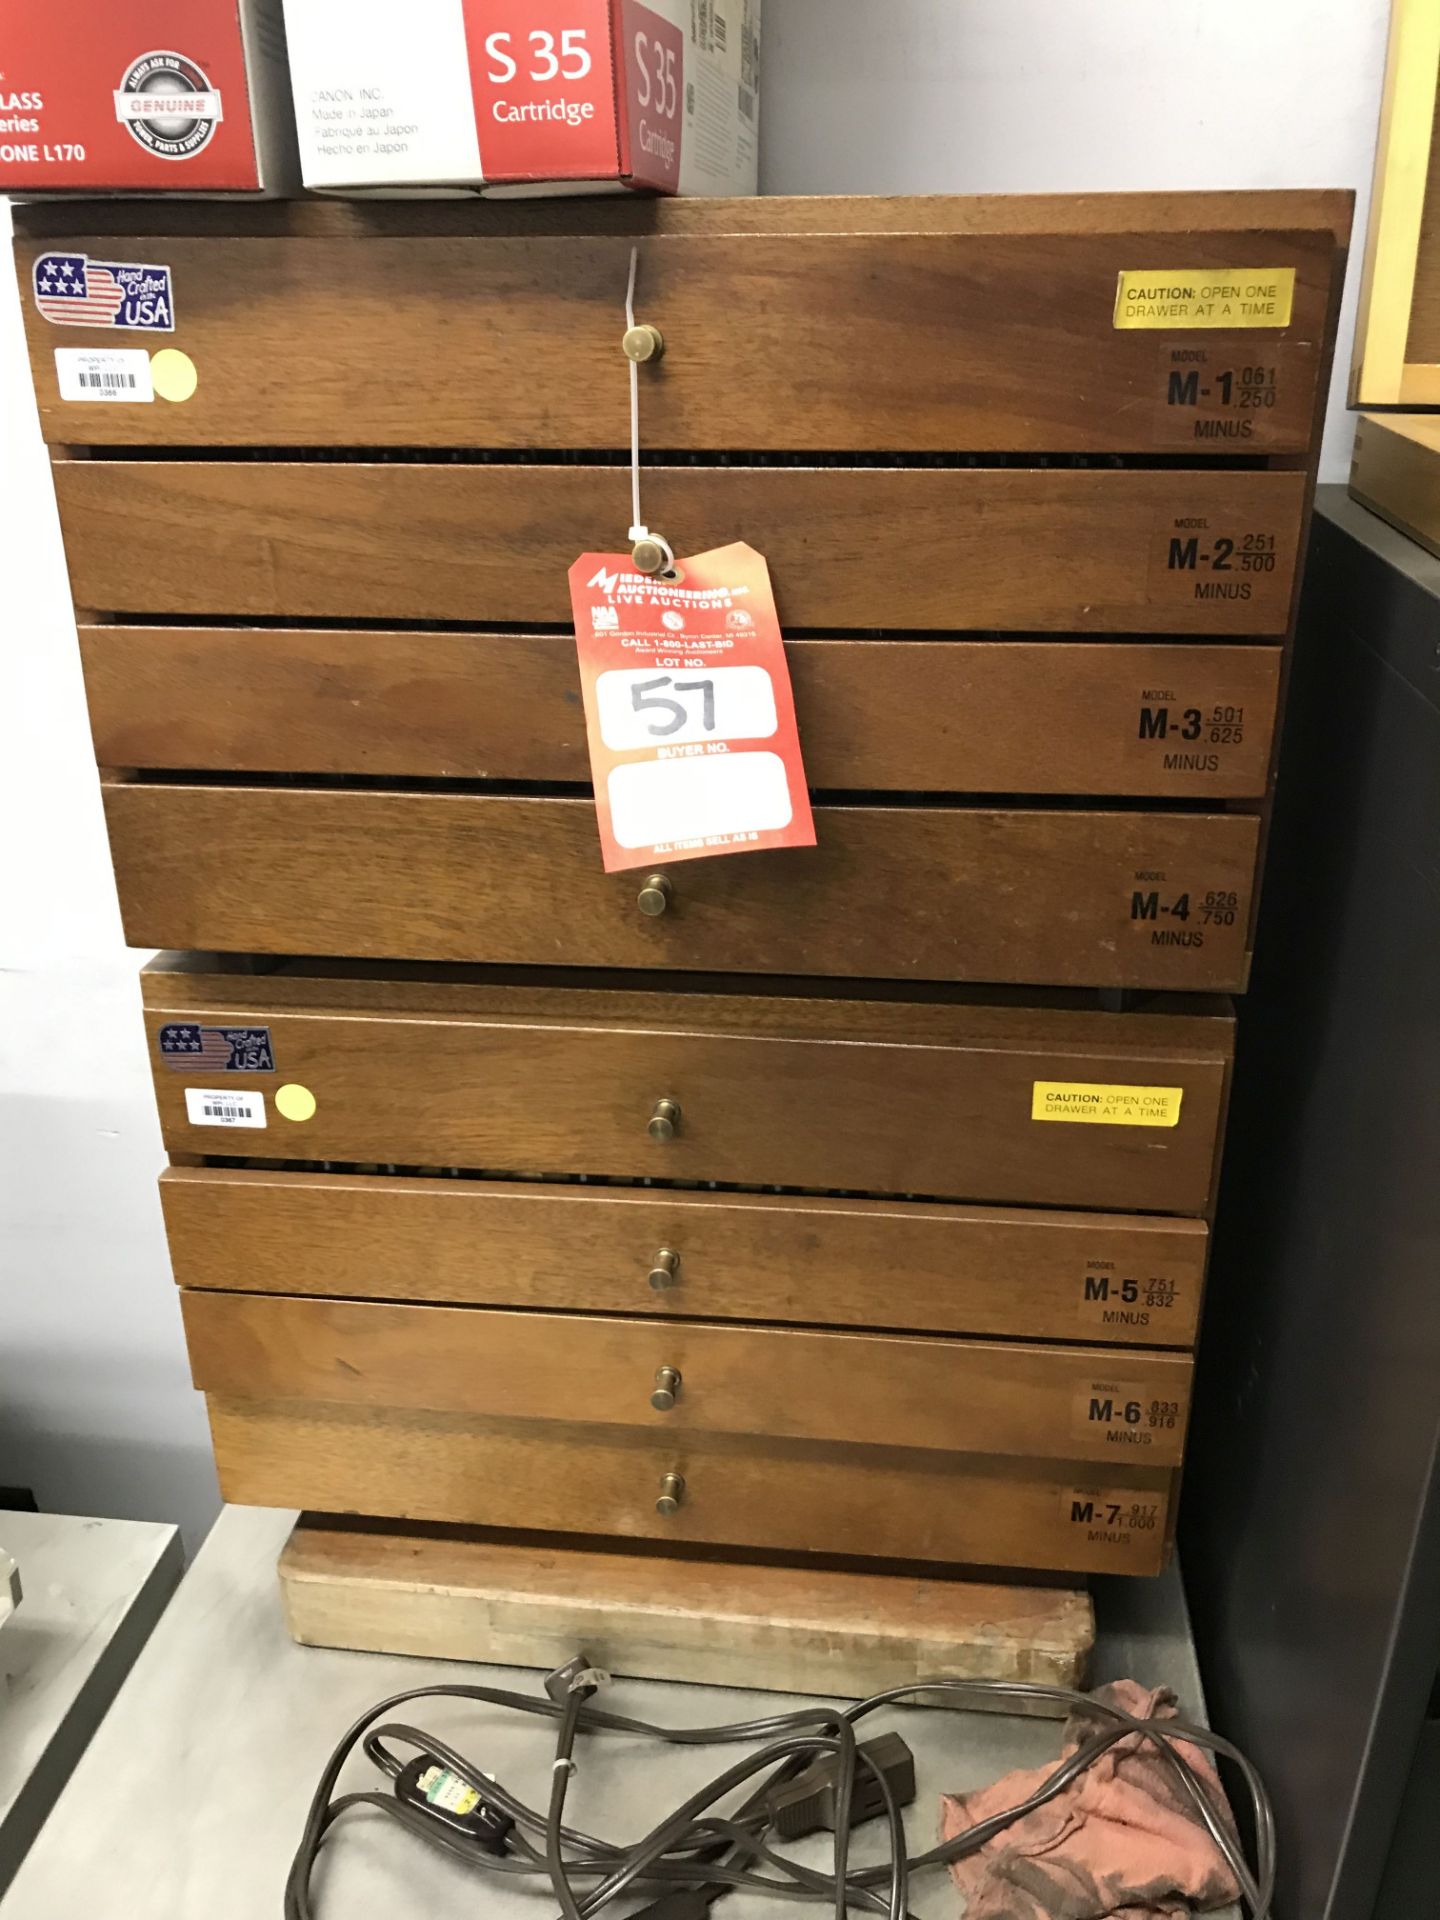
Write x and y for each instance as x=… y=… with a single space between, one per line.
x=693 y=743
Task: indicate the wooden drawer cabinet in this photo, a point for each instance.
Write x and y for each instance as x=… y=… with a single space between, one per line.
x=880 y=1154
x=1163 y=720
x=869 y=1389
x=1052 y=549
x=932 y=893
x=858 y=1095
x=908 y=325
x=1084 y=1517
x=1030 y=1275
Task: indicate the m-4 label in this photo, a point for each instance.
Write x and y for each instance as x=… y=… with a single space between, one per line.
x=1175 y=916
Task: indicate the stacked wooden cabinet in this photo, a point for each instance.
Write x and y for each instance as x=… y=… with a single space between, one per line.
x=856 y=1204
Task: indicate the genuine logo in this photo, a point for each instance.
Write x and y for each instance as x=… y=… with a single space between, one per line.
x=168 y=105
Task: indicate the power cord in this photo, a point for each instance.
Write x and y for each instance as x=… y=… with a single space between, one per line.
x=812 y=1774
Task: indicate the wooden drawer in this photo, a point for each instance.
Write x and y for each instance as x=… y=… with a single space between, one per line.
x=1134 y=1279
x=738 y=1491
x=1072 y=897
x=920 y=1096
x=1092 y=550
x=864 y=1389
x=949 y=716
x=995 y=330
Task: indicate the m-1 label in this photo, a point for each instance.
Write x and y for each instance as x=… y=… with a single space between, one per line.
x=1183 y=297
x=1220 y=400
x=1125 y=1301
x=1112 y=1516
x=1127 y=1418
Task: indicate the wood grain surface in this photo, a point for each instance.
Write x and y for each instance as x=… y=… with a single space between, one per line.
x=1272 y=210
x=872 y=1502
x=948 y=1116
x=1131 y=1279
x=1007 y=548
x=872 y=1389
x=955 y=716
x=525 y=1600
x=1081 y=898
x=787 y=342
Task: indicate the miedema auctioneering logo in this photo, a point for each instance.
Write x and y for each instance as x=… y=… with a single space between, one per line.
x=168 y=105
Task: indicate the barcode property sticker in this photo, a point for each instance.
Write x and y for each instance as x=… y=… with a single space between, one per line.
x=122 y=373
x=204 y=1108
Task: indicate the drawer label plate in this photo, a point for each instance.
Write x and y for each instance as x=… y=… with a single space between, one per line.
x=1091 y=1103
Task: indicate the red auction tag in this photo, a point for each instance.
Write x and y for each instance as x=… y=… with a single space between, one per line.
x=693 y=744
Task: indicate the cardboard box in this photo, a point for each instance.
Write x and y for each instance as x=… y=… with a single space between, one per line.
x=526 y=96
x=145 y=97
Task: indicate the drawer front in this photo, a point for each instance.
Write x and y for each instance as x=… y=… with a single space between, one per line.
x=950 y=1121
x=1027 y=1275
x=297 y=342
x=997 y=1397
x=954 y=716
x=1054 y=549
x=1065 y=897
x=737 y=1492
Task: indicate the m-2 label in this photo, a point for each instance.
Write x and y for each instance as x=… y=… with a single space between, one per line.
x=1196 y=558
x=1127 y=1418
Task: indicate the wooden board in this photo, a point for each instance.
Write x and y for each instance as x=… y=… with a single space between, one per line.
x=800 y=1498
x=1031 y=1275
x=1397 y=335
x=772 y=342
x=568 y=1092
x=508 y=1600
x=931 y=893
x=959 y=716
x=1395 y=472
x=1090 y=550
x=862 y=1389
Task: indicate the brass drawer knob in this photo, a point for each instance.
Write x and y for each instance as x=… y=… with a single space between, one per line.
x=656 y=894
x=667 y=1389
x=641 y=343
x=666 y=1271
x=664 y=1122
x=672 y=1492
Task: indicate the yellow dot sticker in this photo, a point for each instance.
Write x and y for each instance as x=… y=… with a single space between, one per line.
x=1089 y=1103
x=173 y=373
x=295 y=1103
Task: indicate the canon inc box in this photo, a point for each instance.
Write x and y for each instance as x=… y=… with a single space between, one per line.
x=526 y=96
x=146 y=97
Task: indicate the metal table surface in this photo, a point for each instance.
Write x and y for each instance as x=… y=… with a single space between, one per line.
x=191 y=1796
x=92 y=1593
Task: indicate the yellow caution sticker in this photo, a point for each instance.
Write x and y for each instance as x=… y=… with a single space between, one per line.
x=1186 y=297
x=1089 y=1103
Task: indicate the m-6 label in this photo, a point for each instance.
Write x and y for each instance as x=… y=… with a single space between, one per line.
x=1126 y=1417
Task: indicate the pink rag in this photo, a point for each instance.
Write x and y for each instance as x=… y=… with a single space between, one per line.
x=1122 y=1839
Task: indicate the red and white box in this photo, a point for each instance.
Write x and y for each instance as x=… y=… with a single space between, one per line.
x=145 y=97
x=526 y=96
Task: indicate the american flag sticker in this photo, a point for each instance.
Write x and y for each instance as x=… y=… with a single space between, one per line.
x=187 y=1048
x=72 y=290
